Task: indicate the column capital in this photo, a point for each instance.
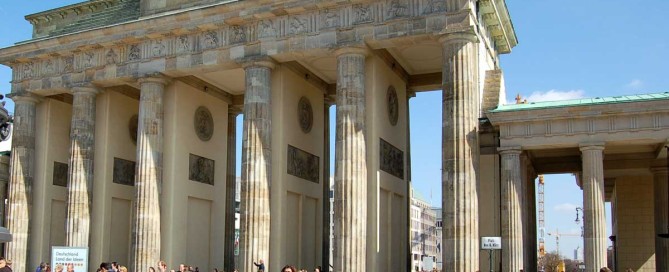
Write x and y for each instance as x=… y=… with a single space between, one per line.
x=465 y=35
x=510 y=150
x=591 y=146
x=266 y=63
x=24 y=97
x=410 y=94
x=659 y=170
x=235 y=109
x=154 y=78
x=352 y=51
x=86 y=89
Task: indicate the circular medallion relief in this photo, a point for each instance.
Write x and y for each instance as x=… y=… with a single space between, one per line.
x=305 y=114
x=133 y=125
x=393 y=105
x=204 y=123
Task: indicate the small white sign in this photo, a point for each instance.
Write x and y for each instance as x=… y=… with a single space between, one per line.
x=491 y=242
x=77 y=257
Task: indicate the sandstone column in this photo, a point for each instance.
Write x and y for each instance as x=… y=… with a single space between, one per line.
x=350 y=204
x=593 y=206
x=80 y=185
x=21 y=177
x=661 y=219
x=149 y=175
x=512 y=223
x=230 y=187
x=256 y=167
x=460 y=153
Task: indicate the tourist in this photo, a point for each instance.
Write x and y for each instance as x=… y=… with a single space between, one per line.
x=41 y=267
x=70 y=267
x=261 y=266
x=3 y=265
x=162 y=266
x=287 y=268
x=59 y=268
x=605 y=269
x=318 y=269
x=122 y=269
x=114 y=267
x=182 y=268
x=151 y=269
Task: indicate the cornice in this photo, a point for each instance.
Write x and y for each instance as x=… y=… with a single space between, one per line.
x=496 y=17
x=579 y=112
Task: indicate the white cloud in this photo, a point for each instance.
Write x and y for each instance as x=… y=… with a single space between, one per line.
x=565 y=207
x=555 y=95
x=635 y=84
x=550 y=95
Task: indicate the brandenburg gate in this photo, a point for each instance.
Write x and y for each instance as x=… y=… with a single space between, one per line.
x=125 y=121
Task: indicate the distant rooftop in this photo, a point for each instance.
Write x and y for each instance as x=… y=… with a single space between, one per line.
x=583 y=102
x=418 y=196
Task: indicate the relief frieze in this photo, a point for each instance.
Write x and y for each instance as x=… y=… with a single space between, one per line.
x=210 y=40
x=303 y=164
x=124 y=172
x=266 y=29
x=391 y=159
x=60 y=174
x=338 y=19
x=201 y=169
x=183 y=44
x=237 y=34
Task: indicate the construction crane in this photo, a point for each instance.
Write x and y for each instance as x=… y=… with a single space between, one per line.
x=557 y=235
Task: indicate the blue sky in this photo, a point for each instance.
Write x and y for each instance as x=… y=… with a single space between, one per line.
x=567 y=49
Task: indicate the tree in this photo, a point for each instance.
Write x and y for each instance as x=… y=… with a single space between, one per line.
x=552 y=260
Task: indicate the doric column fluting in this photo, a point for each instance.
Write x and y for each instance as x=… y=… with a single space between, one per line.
x=21 y=178
x=661 y=218
x=350 y=192
x=230 y=191
x=460 y=152
x=593 y=206
x=256 y=166
x=80 y=184
x=149 y=175
x=512 y=212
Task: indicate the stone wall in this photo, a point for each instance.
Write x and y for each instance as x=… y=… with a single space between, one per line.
x=635 y=229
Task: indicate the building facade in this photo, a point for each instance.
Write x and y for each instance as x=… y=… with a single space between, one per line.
x=423 y=233
x=124 y=137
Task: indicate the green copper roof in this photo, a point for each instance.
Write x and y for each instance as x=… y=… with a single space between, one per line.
x=583 y=102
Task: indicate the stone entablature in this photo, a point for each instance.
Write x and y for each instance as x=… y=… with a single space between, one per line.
x=564 y=126
x=82 y=16
x=224 y=35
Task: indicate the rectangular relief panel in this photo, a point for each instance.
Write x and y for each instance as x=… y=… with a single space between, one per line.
x=201 y=169
x=391 y=159
x=120 y=230
x=124 y=172
x=198 y=240
x=303 y=164
x=57 y=228
x=60 y=174
x=308 y=230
